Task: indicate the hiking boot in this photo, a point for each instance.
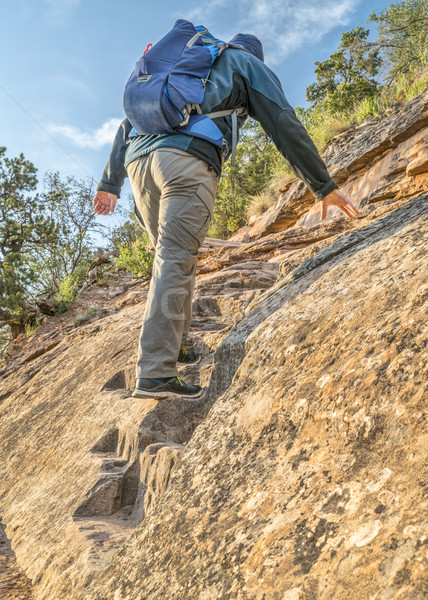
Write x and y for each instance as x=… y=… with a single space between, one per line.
x=188 y=356
x=166 y=387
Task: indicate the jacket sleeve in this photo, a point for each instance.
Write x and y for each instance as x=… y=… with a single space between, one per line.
x=114 y=173
x=267 y=104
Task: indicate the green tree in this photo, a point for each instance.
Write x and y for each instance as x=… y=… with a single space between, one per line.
x=348 y=75
x=25 y=228
x=45 y=238
x=68 y=204
x=403 y=36
x=128 y=232
x=230 y=198
x=257 y=161
x=130 y=241
x=135 y=257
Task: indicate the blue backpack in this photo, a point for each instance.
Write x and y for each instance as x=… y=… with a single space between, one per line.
x=165 y=90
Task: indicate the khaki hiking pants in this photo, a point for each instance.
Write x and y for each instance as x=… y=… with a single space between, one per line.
x=174 y=193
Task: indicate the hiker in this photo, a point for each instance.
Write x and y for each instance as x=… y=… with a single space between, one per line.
x=174 y=178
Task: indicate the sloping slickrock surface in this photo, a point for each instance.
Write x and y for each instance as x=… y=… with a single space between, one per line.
x=82 y=463
x=306 y=478
x=298 y=475
x=292 y=244
x=14 y=584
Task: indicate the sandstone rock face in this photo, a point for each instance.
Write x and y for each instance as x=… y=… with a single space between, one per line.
x=297 y=475
x=92 y=461
x=14 y=585
x=377 y=160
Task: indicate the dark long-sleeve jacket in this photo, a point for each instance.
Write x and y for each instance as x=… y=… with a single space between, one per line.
x=237 y=79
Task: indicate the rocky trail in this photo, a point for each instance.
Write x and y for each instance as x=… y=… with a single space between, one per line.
x=299 y=473
x=134 y=457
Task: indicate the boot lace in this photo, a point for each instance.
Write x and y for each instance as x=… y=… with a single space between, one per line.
x=181 y=381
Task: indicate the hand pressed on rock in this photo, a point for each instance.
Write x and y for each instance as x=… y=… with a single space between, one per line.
x=336 y=198
x=104 y=203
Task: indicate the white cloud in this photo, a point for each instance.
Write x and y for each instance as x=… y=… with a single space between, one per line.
x=94 y=139
x=282 y=26
x=203 y=11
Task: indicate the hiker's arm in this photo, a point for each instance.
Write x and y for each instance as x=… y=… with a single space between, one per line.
x=114 y=174
x=267 y=104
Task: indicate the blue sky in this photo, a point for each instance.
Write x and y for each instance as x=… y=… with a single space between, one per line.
x=66 y=63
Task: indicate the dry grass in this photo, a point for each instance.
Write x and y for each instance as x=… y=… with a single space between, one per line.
x=259 y=204
x=83 y=317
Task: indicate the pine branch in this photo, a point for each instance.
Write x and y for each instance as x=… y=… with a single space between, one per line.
x=408 y=24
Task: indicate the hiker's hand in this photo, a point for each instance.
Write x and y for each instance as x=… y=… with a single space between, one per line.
x=104 y=202
x=336 y=198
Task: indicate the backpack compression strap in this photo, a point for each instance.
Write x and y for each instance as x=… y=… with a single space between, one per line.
x=197 y=35
x=234 y=113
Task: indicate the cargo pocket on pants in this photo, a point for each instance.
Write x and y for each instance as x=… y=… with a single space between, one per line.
x=194 y=219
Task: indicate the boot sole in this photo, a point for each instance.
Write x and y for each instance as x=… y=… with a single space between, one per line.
x=195 y=362
x=159 y=395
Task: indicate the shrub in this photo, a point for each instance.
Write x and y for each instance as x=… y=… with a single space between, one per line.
x=321 y=125
x=66 y=293
x=135 y=258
